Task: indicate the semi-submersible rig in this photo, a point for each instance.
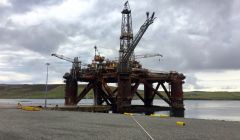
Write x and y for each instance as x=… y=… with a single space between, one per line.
x=127 y=73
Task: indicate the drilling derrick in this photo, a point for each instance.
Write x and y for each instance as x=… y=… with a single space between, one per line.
x=124 y=81
x=127 y=46
x=126 y=37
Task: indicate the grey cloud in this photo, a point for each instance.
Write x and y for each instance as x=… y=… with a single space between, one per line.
x=20 y=6
x=24 y=6
x=192 y=82
x=192 y=35
x=206 y=41
x=40 y=38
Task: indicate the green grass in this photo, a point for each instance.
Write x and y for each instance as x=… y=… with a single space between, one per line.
x=35 y=91
x=28 y=91
x=57 y=92
x=203 y=95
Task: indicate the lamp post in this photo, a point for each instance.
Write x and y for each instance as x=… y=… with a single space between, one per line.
x=46 y=90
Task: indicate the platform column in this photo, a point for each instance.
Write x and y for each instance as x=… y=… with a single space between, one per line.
x=177 y=93
x=148 y=95
x=71 y=90
x=177 y=98
x=97 y=97
x=124 y=93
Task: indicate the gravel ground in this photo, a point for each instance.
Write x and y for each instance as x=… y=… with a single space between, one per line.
x=19 y=124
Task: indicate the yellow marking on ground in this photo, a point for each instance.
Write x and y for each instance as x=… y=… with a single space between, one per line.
x=129 y=114
x=159 y=115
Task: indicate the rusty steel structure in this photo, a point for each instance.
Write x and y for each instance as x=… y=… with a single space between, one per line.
x=127 y=73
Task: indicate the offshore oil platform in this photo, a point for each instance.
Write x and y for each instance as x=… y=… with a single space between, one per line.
x=127 y=73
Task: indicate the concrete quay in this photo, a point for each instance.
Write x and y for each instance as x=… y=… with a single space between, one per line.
x=71 y=125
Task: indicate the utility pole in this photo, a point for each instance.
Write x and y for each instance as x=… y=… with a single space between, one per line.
x=46 y=90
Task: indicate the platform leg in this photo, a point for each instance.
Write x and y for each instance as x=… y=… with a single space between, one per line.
x=71 y=91
x=177 y=94
x=97 y=97
x=124 y=93
x=148 y=97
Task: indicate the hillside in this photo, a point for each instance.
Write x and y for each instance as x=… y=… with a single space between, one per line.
x=57 y=92
x=30 y=91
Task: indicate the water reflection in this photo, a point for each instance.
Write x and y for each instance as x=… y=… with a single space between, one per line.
x=213 y=109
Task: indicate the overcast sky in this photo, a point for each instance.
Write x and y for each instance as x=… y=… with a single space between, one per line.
x=199 y=38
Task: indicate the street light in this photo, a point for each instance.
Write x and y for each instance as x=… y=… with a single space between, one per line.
x=45 y=105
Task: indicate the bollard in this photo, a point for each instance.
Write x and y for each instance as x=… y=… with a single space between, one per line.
x=19 y=106
x=180 y=123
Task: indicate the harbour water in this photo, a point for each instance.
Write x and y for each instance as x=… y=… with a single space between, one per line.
x=200 y=109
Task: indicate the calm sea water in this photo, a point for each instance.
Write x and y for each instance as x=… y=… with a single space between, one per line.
x=201 y=109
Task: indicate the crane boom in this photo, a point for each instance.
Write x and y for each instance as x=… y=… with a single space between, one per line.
x=75 y=60
x=63 y=57
x=140 y=56
x=138 y=37
x=76 y=64
x=147 y=55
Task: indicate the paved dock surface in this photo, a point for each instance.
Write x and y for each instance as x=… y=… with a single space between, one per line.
x=65 y=125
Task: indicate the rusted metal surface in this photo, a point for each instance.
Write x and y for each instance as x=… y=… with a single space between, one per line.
x=148 y=94
x=103 y=93
x=85 y=91
x=177 y=93
x=71 y=90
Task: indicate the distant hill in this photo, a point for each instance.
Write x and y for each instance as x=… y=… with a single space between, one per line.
x=30 y=91
x=216 y=95
x=56 y=91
